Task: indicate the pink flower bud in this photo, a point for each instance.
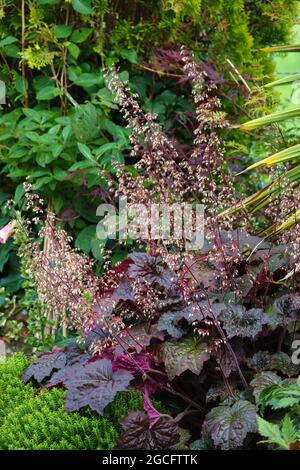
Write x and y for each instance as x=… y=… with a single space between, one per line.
x=6 y=232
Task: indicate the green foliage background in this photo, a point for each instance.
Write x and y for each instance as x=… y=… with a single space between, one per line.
x=60 y=124
x=52 y=65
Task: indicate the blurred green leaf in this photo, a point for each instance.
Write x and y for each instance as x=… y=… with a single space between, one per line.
x=85 y=237
x=82 y=6
x=48 y=93
x=62 y=31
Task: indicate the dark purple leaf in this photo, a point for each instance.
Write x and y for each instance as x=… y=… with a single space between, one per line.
x=218 y=391
x=124 y=292
x=137 y=364
x=195 y=311
x=263 y=380
x=227 y=363
x=94 y=385
x=169 y=322
x=97 y=334
x=243 y=240
x=201 y=272
x=105 y=354
x=102 y=193
x=104 y=306
x=168 y=60
x=44 y=365
x=73 y=351
x=137 y=338
x=283 y=362
x=286 y=308
x=245 y=323
x=190 y=353
x=211 y=72
x=140 y=435
x=68 y=214
x=262 y=360
x=150 y=269
x=261 y=283
x=146 y=377
x=60 y=377
x=228 y=426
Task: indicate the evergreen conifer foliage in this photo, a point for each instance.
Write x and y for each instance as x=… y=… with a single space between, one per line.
x=36 y=420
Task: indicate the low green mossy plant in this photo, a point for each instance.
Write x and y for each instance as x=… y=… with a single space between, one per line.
x=36 y=420
x=12 y=390
x=42 y=423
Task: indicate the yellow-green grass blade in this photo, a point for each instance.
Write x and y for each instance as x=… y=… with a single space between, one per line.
x=290 y=153
x=265 y=192
x=284 y=225
x=267 y=200
x=284 y=81
x=289 y=221
x=284 y=48
x=263 y=196
x=279 y=116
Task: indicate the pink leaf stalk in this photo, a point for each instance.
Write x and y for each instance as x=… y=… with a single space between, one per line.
x=153 y=414
x=6 y=232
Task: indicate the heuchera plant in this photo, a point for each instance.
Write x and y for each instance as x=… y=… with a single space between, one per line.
x=205 y=330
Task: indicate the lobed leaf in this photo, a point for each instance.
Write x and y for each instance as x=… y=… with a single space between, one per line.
x=263 y=380
x=139 y=434
x=95 y=385
x=228 y=426
x=245 y=323
x=189 y=353
x=44 y=365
